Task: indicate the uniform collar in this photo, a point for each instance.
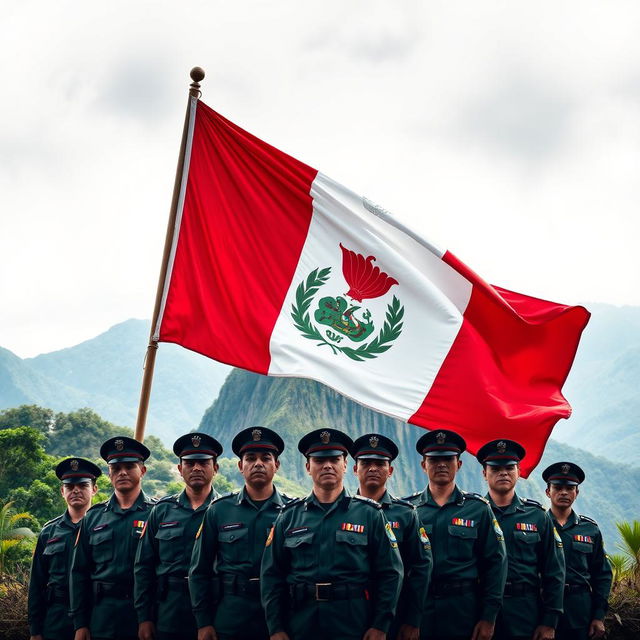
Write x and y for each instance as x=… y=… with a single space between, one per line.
x=516 y=505
x=67 y=521
x=114 y=505
x=572 y=520
x=311 y=500
x=183 y=500
x=385 y=500
x=243 y=496
x=456 y=496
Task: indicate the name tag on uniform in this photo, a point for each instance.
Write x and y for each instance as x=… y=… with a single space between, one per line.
x=526 y=526
x=232 y=526
x=357 y=528
x=579 y=538
x=100 y=527
x=461 y=522
x=167 y=525
x=297 y=531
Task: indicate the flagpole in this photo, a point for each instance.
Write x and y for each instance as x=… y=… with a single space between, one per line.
x=197 y=75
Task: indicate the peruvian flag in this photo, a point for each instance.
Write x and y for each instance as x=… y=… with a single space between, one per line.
x=277 y=269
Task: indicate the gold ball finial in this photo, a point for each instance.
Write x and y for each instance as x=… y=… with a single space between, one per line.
x=197 y=74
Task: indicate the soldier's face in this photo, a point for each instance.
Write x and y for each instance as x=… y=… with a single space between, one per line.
x=198 y=473
x=501 y=479
x=258 y=468
x=562 y=496
x=372 y=474
x=441 y=469
x=126 y=476
x=327 y=473
x=78 y=495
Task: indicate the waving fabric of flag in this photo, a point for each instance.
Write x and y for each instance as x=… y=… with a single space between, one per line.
x=277 y=269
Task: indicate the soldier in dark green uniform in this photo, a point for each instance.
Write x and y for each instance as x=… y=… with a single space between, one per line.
x=469 y=557
x=532 y=601
x=374 y=454
x=331 y=567
x=101 y=583
x=588 y=578
x=224 y=578
x=161 y=590
x=49 y=582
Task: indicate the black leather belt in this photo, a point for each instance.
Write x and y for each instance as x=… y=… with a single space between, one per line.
x=118 y=590
x=575 y=588
x=240 y=586
x=519 y=589
x=326 y=591
x=445 y=588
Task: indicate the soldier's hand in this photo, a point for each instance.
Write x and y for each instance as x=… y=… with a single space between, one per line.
x=374 y=634
x=544 y=633
x=146 y=630
x=407 y=632
x=207 y=633
x=38 y=637
x=280 y=635
x=82 y=633
x=596 y=629
x=483 y=630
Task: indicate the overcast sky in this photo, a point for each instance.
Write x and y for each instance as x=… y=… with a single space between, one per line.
x=507 y=132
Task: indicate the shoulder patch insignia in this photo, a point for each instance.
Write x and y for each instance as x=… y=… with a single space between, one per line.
x=199 y=531
x=369 y=501
x=269 y=537
x=557 y=538
x=498 y=530
x=424 y=538
x=391 y=535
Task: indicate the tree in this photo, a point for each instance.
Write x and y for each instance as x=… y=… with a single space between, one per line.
x=27 y=415
x=630 y=547
x=10 y=535
x=21 y=456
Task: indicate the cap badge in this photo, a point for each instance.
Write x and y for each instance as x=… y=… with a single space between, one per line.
x=373 y=441
x=119 y=445
x=440 y=437
x=565 y=468
x=74 y=465
x=256 y=434
x=501 y=446
x=325 y=436
x=196 y=440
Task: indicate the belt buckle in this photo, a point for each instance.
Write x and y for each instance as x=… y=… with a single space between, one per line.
x=318 y=595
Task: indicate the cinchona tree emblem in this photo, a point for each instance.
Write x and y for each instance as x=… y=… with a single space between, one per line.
x=344 y=320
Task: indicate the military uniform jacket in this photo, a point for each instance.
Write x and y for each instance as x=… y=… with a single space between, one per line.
x=467 y=545
x=230 y=542
x=49 y=582
x=102 y=567
x=534 y=558
x=162 y=562
x=587 y=565
x=347 y=542
x=415 y=550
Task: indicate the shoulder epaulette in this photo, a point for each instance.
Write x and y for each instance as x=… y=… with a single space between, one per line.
x=368 y=501
x=171 y=498
x=292 y=502
x=587 y=519
x=225 y=496
x=151 y=501
x=98 y=505
x=533 y=503
x=403 y=502
x=413 y=495
x=53 y=520
x=475 y=496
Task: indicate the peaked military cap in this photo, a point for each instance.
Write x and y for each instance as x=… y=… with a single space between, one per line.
x=441 y=442
x=500 y=452
x=123 y=449
x=257 y=439
x=563 y=473
x=74 y=470
x=373 y=446
x=324 y=443
x=197 y=446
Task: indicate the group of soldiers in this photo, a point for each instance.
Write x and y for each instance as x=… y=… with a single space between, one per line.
x=256 y=565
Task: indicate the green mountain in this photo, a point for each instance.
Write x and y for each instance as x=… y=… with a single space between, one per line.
x=292 y=407
x=105 y=373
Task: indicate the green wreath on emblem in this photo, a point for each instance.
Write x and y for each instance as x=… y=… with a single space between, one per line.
x=305 y=293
